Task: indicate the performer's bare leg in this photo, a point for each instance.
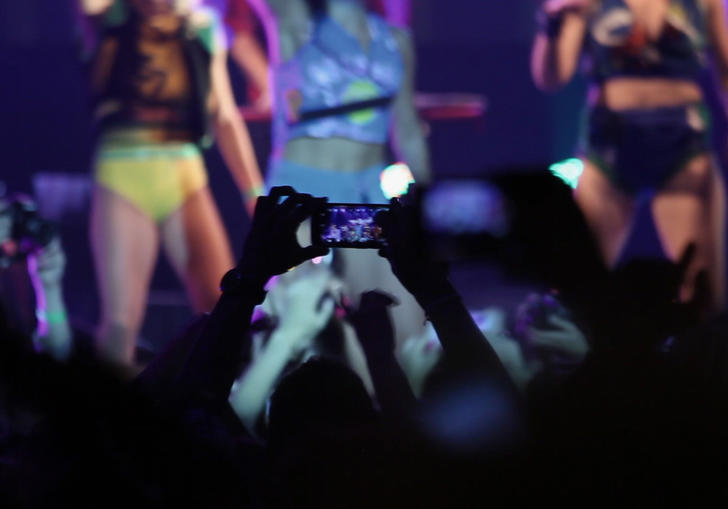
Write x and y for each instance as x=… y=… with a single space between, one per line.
x=124 y=243
x=691 y=209
x=608 y=211
x=195 y=241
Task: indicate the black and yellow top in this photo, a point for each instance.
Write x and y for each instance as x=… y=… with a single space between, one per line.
x=156 y=72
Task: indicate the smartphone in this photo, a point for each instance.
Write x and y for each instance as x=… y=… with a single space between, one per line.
x=351 y=225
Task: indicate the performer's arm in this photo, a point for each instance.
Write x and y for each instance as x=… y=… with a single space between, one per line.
x=409 y=139
x=232 y=135
x=247 y=52
x=558 y=45
x=718 y=27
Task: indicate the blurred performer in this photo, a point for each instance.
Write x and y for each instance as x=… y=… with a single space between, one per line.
x=245 y=48
x=343 y=88
x=161 y=81
x=648 y=123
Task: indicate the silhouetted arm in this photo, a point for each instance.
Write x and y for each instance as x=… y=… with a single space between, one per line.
x=376 y=335
x=466 y=349
x=270 y=249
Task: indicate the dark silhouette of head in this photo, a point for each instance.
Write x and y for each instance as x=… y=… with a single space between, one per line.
x=321 y=398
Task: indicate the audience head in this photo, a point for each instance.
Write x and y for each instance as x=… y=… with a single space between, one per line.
x=320 y=398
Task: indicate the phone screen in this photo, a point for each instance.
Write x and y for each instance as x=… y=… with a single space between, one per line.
x=348 y=225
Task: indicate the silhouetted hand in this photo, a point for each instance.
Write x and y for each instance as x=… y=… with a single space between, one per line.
x=562 y=347
x=271 y=247
x=418 y=356
x=407 y=253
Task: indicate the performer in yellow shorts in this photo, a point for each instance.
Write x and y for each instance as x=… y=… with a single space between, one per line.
x=156 y=178
x=161 y=81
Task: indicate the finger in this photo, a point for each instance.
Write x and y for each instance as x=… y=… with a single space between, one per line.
x=548 y=335
x=563 y=323
x=261 y=220
x=284 y=215
x=288 y=205
x=382 y=217
x=279 y=191
x=297 y=209
x=307 y=207
x=260 y=204
x=539 y=337
x=387 y=221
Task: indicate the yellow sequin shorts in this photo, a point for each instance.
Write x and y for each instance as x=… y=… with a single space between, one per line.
x=155 y=176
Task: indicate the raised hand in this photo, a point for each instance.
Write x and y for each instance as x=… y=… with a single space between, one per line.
x=560 y=348
x=308 y=306
x=407 y=253
x=418 y=357
x=271 y=247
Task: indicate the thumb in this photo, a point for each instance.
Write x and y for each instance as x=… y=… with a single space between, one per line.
x=562 y=323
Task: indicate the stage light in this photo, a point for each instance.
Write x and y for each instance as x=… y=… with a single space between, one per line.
x=568 y=170
x=395 y=179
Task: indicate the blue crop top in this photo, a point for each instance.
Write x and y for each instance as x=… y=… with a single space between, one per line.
x=331 y=71
x=620 y=47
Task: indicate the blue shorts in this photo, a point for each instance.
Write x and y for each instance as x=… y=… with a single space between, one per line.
x=339 y=187
x=640 y=150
